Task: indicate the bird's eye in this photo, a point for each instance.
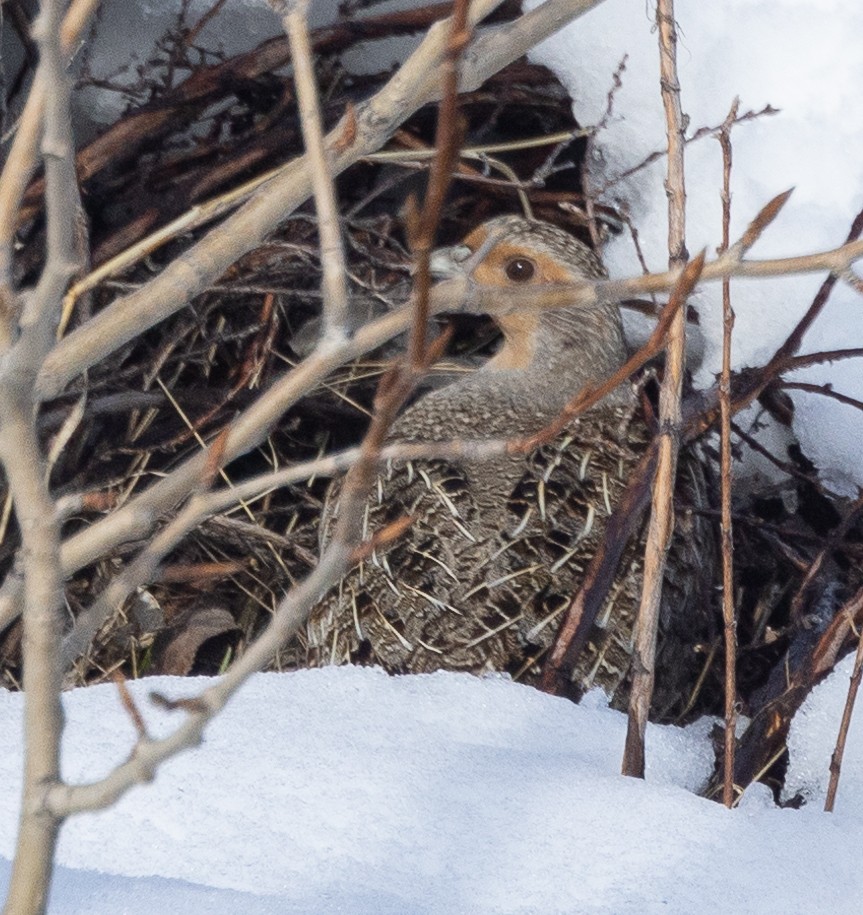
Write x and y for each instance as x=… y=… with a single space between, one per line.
x=520 y=269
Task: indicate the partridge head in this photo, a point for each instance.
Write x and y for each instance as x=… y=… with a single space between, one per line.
x=502 y=263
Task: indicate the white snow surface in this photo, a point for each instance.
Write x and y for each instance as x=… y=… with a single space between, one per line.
x=800 y=57
x=345 y=790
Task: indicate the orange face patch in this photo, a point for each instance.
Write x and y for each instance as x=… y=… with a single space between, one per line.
x=519 y=328
x=519 y=342
x=492 y=271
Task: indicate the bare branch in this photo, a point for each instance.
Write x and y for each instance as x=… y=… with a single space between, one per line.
x=795 y=338
x=335 y=287
x=661 y=524
x=825 y=390
x=422 y=228
x=23 y=156
x=26 y=472
x=847 y=712
x=728 y=610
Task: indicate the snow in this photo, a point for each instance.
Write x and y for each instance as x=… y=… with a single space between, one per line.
x=347 y=790
x=798 y=57
x=811 y=743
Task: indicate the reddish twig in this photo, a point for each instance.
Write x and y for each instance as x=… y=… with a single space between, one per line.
x=728 y=611
x=825 y=390
x=422 y=226
x=129 y=705
x=839 y=751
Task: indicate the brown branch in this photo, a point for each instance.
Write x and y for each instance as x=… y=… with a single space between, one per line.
x=129 y=705
x=795 y=338
x=394 y=389
x=804 y=361
x=847 y=712
x=811 y=656
x=825 y=390
x=24 y=155
x=661 y=523
x=422 y=227
x=751 y=383
x=564 y=295
x=584 y=607
x=728 y=610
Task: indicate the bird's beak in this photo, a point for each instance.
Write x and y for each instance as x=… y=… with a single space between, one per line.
x=446 y=263
x=453 y=269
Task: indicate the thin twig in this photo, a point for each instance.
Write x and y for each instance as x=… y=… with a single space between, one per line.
x=728 y=611
x=334 y=286
x=422 y=228
x=847 y=712
x=824 y=390
x=794 y=340
x=699 y=134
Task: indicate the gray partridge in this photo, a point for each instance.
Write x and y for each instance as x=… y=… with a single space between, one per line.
x=496 y=549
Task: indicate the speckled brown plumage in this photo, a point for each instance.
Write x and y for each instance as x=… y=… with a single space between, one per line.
x=496 y=549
